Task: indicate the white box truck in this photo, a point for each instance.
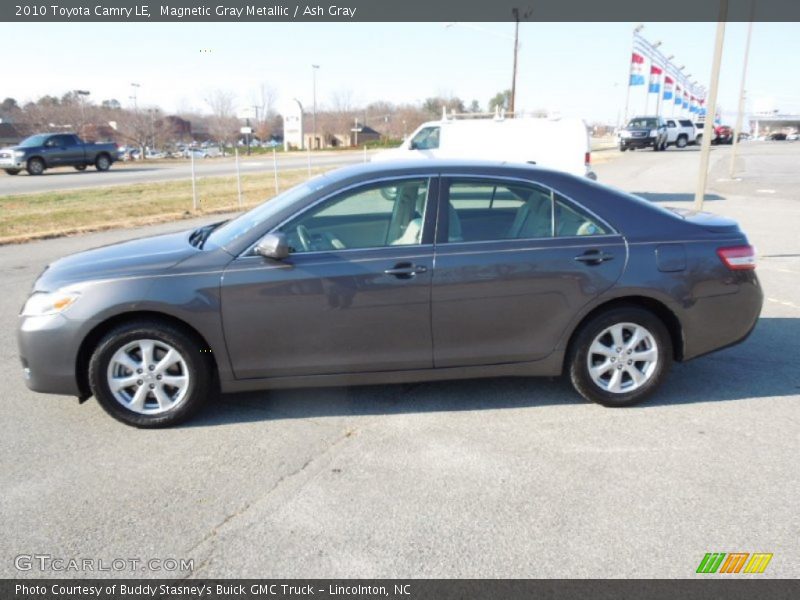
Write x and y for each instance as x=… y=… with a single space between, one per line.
x=561 y=144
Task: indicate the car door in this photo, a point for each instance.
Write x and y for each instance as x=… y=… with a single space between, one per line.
x=353 y=295
x=72 y=150
x=515 y=261
x=54 y=151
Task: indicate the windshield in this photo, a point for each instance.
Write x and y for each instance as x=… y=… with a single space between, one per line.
x=642 y=123
x=34 y=140
x=231 y=230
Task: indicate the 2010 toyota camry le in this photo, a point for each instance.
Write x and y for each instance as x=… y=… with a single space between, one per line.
x=395 y=272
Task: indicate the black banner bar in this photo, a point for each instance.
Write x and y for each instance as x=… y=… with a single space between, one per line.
x=733 y=588
x=390 y=10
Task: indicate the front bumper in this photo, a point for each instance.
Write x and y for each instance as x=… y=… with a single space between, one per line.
x=12 y=162
x=48 y=348
x=637 y=142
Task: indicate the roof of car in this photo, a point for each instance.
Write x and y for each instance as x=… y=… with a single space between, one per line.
x=433 y=166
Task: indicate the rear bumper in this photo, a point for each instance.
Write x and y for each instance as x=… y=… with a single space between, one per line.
x=716 y=322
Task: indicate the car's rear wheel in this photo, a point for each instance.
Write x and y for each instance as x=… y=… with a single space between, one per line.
x=681 y=141
x=35 y=166
x=622 y=148
x=620 y=356
x=12 y=171
x=150 y=374
x=103 y=163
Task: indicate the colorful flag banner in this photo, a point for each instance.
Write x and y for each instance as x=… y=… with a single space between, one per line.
x=668 y=85
x=655 y=79
x=685 y=99
x=637 y=65
x=692 y=104
x=677 y=95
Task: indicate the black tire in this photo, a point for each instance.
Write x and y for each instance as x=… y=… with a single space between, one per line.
x=632 y=148
x=698 y=141
x=12 y=171
x=578 y=356
x=623 y=148
x=198 y=366
x=80 y=167
x=664 y=145
x=681 y=141
x=102 y=162
x=35 y=166
x=656 y=146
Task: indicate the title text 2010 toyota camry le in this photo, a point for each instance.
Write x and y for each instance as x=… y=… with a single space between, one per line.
x=393 y=273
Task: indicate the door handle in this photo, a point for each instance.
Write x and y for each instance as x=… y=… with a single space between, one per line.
x=594 y=257
x=405 y=270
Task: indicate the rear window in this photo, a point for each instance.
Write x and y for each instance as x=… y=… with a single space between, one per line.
x=687 y=123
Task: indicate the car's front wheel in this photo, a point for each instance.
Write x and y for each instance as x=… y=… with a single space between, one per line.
x=620 y=356
x=12 y=171
x=150 y=374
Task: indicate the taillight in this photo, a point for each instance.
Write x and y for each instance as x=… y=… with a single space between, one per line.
x=587 y=158
x=738 y=258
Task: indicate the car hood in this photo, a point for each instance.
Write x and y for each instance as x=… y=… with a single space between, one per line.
x=139 y=257
x=12 y=148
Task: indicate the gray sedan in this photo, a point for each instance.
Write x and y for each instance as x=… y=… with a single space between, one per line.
x=394 y=273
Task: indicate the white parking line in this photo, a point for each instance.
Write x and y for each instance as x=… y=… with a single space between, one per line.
x=784 y=302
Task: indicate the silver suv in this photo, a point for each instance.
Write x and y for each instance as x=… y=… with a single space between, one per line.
x=680 y=132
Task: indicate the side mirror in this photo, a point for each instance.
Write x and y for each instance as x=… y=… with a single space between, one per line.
x=273 y=245
x=413 y=146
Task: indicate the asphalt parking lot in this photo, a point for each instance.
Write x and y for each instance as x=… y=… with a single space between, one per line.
x=493 y=478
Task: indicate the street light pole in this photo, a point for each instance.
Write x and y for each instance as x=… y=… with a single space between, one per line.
x=512 y=100
x=314 y=69
x=740 y=113
x=708 y=129
x=81 y=98
x=135 y=87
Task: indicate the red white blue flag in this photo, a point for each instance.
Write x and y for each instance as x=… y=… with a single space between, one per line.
x=655 y=79
x=669 y=83
x=677 y=94
x=637 y=65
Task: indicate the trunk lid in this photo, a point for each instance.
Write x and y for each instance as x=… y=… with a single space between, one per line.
x=706 y=220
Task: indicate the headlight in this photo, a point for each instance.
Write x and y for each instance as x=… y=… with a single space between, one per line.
x=19 y=153
x=624 y=134
x=41 y=303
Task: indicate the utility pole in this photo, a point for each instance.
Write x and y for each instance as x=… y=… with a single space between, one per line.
x=512 y=100
x=740 y=113
x=314 y=69
x=708 y=129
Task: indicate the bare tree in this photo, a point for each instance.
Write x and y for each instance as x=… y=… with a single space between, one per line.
x=223 y=124
x=265 y=118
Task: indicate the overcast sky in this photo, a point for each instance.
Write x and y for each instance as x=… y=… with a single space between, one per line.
x=578 y=69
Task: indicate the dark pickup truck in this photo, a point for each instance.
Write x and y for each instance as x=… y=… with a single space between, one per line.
x=48 y=150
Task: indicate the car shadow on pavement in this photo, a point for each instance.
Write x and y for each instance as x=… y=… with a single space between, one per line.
x=671 y=197
x=736 y=373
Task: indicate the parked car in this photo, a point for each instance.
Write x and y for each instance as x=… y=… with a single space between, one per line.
x=48 y=150
x=202 y=152
x=723 y=134
x=680 y=132
x=777 y=136
x=389 y=273
x=644 y=132
x=561 y=144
